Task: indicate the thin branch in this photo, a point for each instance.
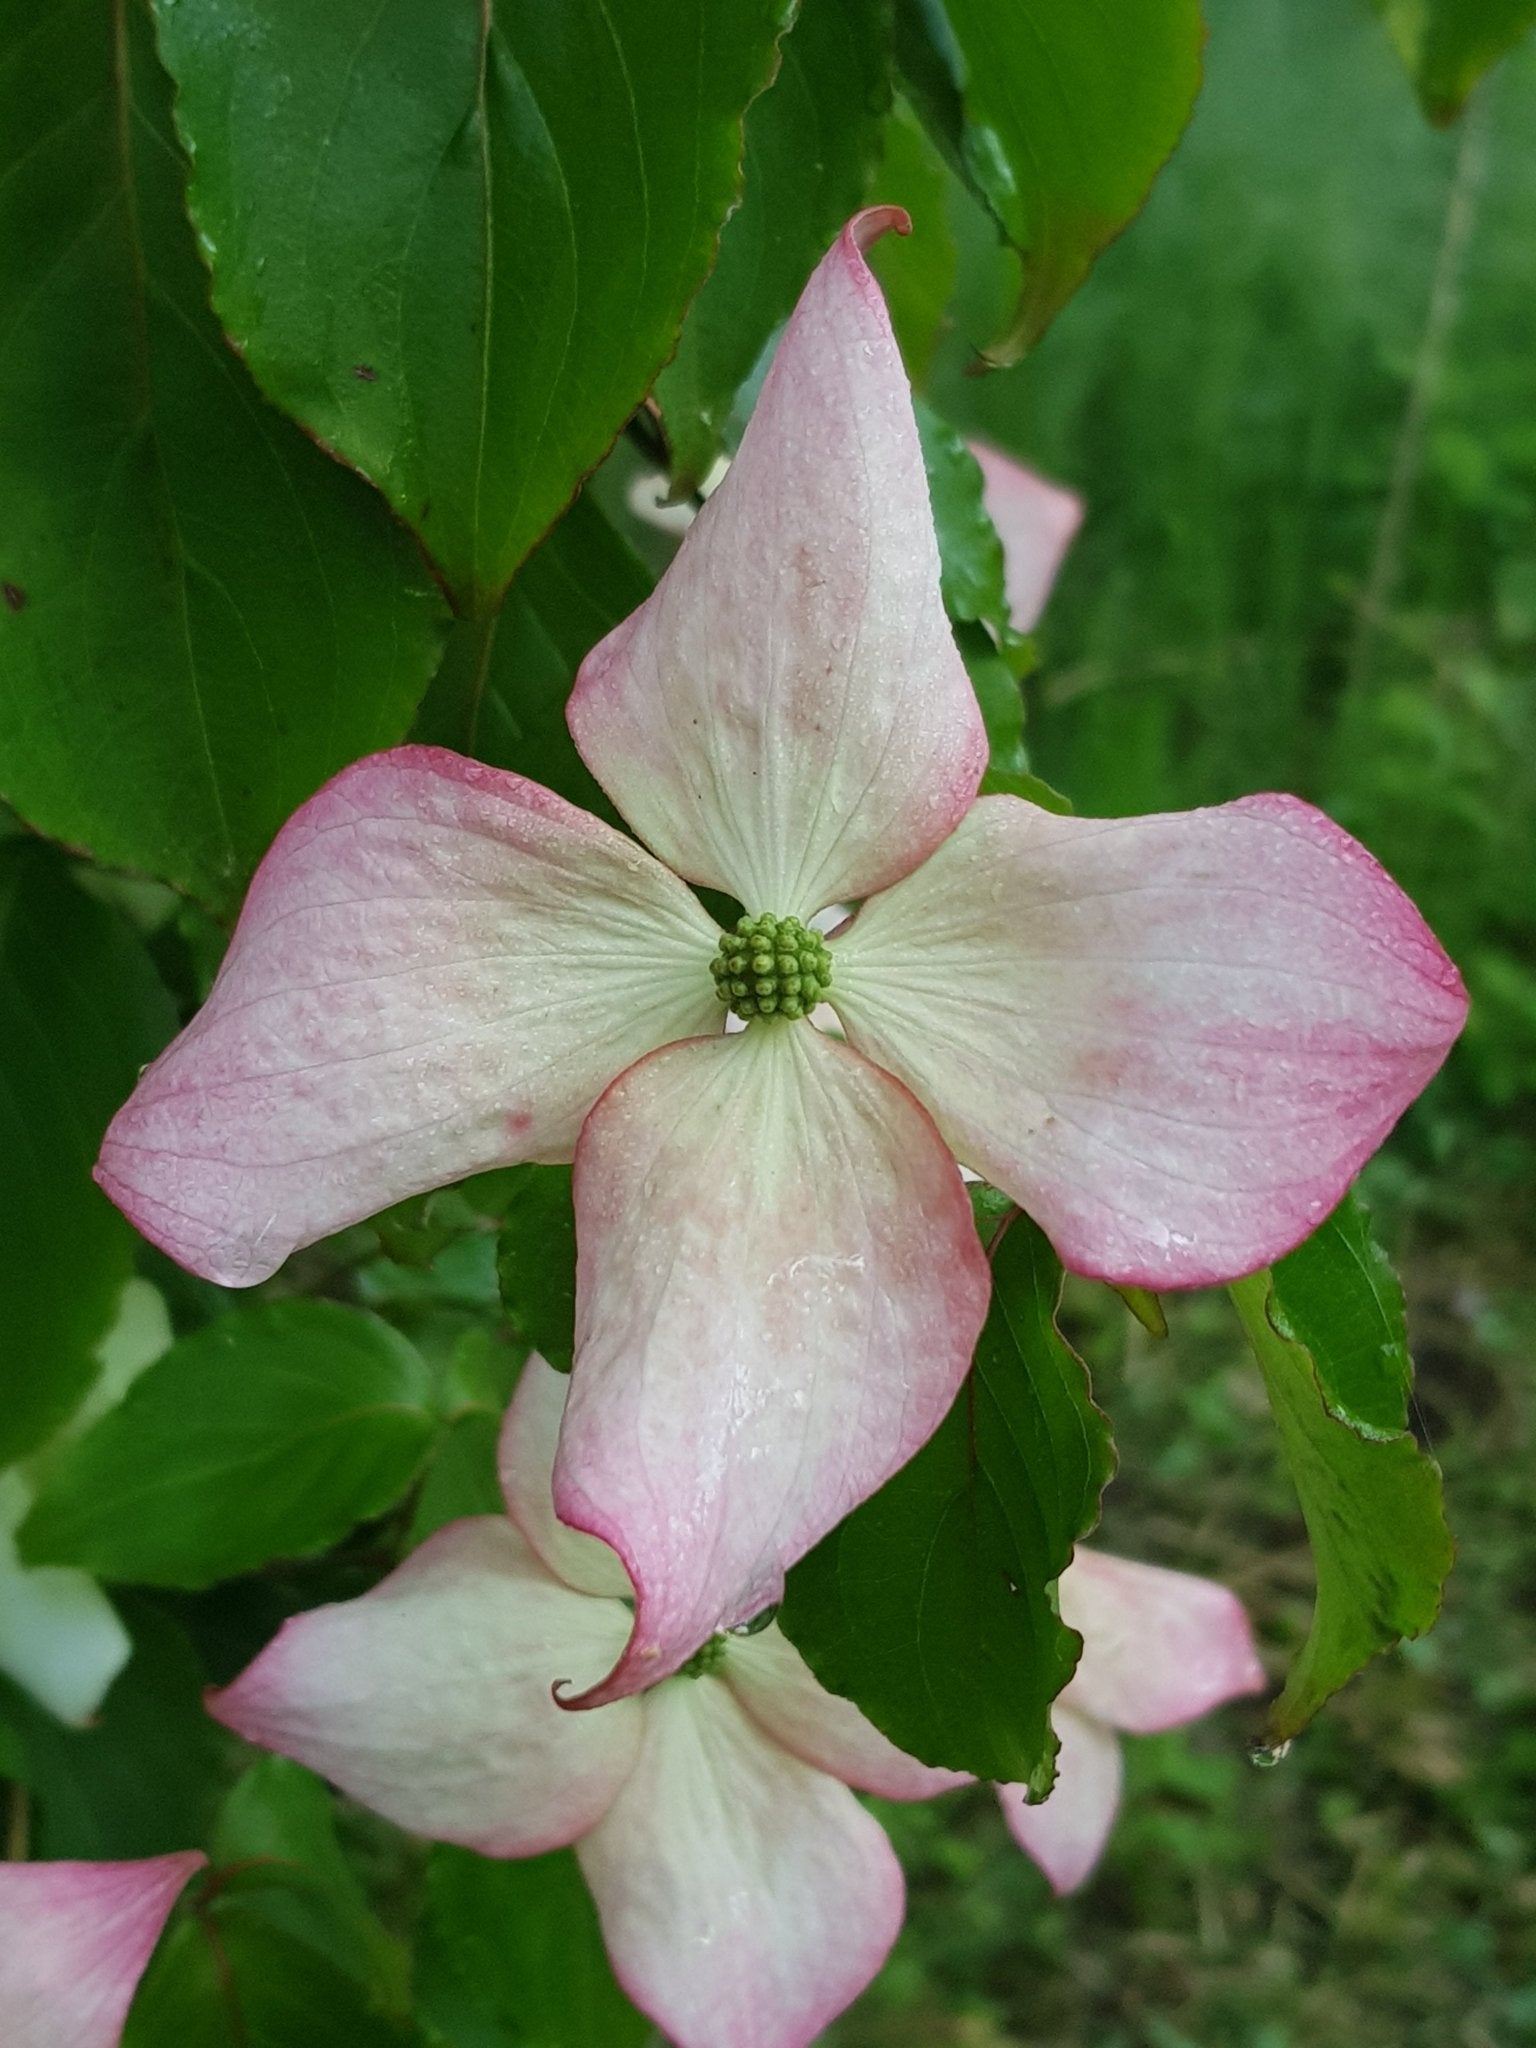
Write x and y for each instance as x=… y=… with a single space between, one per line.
x=1423 y=391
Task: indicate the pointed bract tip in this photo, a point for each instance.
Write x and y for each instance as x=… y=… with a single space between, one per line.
x=75 y=1938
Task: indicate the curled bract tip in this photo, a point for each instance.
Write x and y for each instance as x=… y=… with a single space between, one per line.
x=637 y=1670
x=866 y=228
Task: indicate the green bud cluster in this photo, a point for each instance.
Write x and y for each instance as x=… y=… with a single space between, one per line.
x=706 y=1659
x=771 y=967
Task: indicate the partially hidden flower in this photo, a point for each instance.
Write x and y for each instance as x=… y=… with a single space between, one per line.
x=1172 y=1039
x=1036 y=522
x=1159 y=1648
x=60 y=1636
x=649 y=498
x=745 y=1895
x=74 y=1942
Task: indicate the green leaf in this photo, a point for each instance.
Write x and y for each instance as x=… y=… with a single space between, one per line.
x=972 y=578
x=457 y=241
x=1146 y=1307
x=203 y=617
x=990 y=1210
x=461 y=1277
x=928 y=66
x=269 y=1434
x=282 y=1818
x=917 y=272
x=484 y=1363
x=1338 y=1295
x=523 y=1943
x=1326 y=1328
x=81 y=1009
x=933 y=1605
x=536 y=1262
x=1001 y=698
x=1058 y=118
x=461 y=1479
x=970 y=553
x=419 y=1229
x=1447 y=45
x=810 y=140
x=502 y=689
x=143 y=1779
x=229 y=1978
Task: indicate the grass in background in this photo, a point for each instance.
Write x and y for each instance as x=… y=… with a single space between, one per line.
x=1374 y=1890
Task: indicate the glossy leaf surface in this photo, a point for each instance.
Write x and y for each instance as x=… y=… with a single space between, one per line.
x=536 y=1262
x=1058 y=118
x=996 y=656
x=970 y=553
x=203 y=618
x=457 y=241
x=932 y=1605
x=1338 y=1295
x=1370 y=1497
x=269 y=1434
x=810 y=142
x=500 y=694
x=917 y=272
x=81 y=1009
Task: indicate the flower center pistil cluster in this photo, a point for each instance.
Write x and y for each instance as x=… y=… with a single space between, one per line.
x=705 y=1661
x=771 y=967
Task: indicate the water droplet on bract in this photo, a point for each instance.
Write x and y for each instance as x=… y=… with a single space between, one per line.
x=757 y=1624
x=1265 y=1755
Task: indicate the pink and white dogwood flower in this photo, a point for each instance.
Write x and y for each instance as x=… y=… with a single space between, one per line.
x=745 y=1895
x=1159 y=1648
x=1172 y=1039
x=74 y=1942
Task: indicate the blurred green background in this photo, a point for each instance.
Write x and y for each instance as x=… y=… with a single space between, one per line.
x=1299 y=398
